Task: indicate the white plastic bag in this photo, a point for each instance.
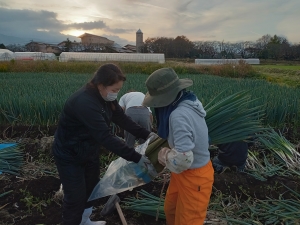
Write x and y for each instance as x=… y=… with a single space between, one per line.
x=121 y=175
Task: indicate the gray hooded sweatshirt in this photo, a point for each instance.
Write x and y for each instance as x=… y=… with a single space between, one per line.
x=188 y=131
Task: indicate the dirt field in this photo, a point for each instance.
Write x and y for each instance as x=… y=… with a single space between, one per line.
x=32 y=199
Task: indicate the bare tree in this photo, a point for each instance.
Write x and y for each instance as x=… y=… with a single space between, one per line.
x=262 y=42
x=16 y=48
x=182 y=47
x=206 y=49
x=160 y=45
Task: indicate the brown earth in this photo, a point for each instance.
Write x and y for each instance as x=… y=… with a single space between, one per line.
x=32 y=198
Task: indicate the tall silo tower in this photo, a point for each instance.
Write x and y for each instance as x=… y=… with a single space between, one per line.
x=139 y=41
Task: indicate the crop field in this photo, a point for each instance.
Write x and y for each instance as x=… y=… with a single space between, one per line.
x=282 y=67
x=37 y=99
x=283 y=74
x=267 y=193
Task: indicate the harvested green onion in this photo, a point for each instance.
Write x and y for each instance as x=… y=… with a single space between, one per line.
x=11 y=158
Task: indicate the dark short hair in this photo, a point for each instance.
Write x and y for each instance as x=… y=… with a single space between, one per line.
x=107 y=75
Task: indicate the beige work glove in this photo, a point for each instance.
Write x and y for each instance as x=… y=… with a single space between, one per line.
x=162 y=156
x=175 y=161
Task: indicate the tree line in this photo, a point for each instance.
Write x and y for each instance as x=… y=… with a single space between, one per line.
x=267 y=47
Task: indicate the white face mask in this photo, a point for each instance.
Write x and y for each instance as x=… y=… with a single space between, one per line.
x=111 y=96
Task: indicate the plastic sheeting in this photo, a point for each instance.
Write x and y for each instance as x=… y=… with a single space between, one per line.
x=117 y=57
x=6 y=55
x=120 y=176
x=29 y=56
x=50 y=56
x=223 y=61
x=6 y=145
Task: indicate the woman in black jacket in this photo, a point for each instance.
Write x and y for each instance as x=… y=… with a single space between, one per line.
x=83 y=129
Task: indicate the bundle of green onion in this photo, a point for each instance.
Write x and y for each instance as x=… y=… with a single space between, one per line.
x=228 y=119
x=283 y=150
x=269 y=211
x=253 y=211
x=232 y=118
x=11 y=158
x=147 y=204
x=261 y=167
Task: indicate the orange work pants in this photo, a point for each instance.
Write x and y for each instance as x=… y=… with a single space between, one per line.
x=188 y=196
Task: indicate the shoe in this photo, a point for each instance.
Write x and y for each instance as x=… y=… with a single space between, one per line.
x=223 y=170
x=89 y=222
x=236 y=169
x=86 y=218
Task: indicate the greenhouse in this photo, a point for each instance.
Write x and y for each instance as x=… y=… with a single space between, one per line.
x=30 y=56
x=50 y=56
x=6 y=55
x=120 y=57
x=224 y=61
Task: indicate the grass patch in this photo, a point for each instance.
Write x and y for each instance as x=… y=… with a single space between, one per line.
x=280 y=72
x=283 y=74
x=280 y=67
x=241 y=70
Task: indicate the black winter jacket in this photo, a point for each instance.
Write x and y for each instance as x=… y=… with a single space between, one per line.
x=84 y=127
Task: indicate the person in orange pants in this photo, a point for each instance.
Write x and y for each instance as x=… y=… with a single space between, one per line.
x=188 y=196
x=180 y=119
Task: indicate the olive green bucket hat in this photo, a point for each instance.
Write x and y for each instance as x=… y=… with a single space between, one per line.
x=163 y=86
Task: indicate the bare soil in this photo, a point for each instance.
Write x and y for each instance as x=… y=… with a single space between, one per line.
x=32 y=199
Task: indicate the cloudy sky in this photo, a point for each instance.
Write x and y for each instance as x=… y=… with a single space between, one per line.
x=228 y=20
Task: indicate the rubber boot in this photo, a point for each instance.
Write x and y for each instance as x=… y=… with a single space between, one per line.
x=86 y=218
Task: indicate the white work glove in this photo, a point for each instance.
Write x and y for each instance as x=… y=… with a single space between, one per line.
x=162 y=156
x=175 y=161
x=152 y=136
x=146 y=163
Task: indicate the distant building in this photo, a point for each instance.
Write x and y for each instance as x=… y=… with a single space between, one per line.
x=139 y=41
x=94 y=43
x=138 y=48
x=42 y=47
x=131 y=48
x=115 y=48
x=91 y=39
x=70 y=46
